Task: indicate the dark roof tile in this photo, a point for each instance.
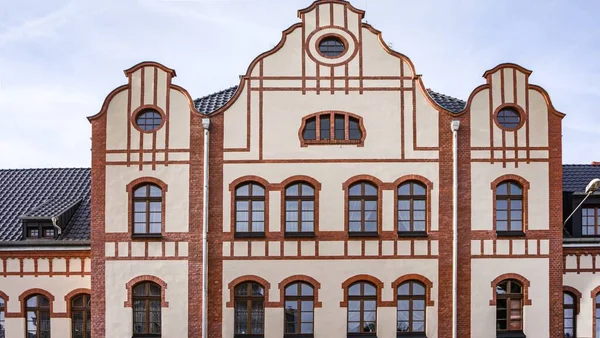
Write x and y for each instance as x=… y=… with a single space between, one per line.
x=577 y=176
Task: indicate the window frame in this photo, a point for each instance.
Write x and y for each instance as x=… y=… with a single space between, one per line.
x=340 y=39
x=411 y=297
x=362 y=198
x=332 y=137
x=299 y=299
x=250 y=198
x=515 y=108
x=148 y=109
x=411 y=198
x=147 y=298
x=509 y=198
x=595 y=217
x=38 y=310
x=250 y=299
x=510 y=296
x=147 y=199
x=361 y=298
x=299 y=198
x=2 y=317
x=573 y=308
x=85 y=310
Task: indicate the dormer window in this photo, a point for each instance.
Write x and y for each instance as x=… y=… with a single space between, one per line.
x=332 y=128
x=47 y=220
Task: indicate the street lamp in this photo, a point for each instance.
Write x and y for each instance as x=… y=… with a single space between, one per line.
x=591 y=187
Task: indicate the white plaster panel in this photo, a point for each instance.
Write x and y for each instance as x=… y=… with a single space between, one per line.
x=117 y=121
x=371 y=248
x=475 y=247
x=544 y=247
x=275 y=211
x=480 y=120
x=155 y=249
x=496 y=85
x=532 y=246
x=388 y=204
x=488 y=247
x=377 y=61
x=274 y=249
x=226 y=249
x=483 y=315
x=116 y=157
x=161 y=89
x=420 y=247
x=331 y=248
x=148 y=85
x=75 y=265
x=236 y=122
x=538 y=119
x=502 y=247
x=307 y=248
x=182 y=249
x=28 y=265
x=426 y=122
x=403 y=248
x=585 y=262
x=354 y=248
x=291 y=248
x=240 y=249
x=44 y=265
x=518 y=247
x=288 y=60
x=59 y=265
x=571 y=262
x=109 y=249
x=179 y=121
x=387 y=248
x=123 y=249
x=138 y=249
x=170 y=249
x=257 y=248
x=434 y=247
x=13 y=265
x=508 y=85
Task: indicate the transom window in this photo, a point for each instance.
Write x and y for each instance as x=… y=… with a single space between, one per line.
x=569 y=315
x=148 y=120
x=411 y=307
x=81 y=317
x=332 y=127
x=299 y=308
x=37 y=319
x=2 y=314
x=412 y=198
x=362 y=208
x=509 y=118
x=590 y=221
x=509 y=206
x=147 y=309
x=331 y=46
x=362 y=308
x=509 y=306
x=147 y=209
x=249 y=309
x=250 y=209
x=299 y=208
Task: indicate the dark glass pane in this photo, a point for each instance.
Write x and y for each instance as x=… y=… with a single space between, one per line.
x=370 y=190
x=354 y=290
x=292 y=190
x=154 y=290
x=515 y=189
x=567 y=298
x=291 y=290
x=502 y=288
x=515 y=287
x=509 y=118
x=354 y=129
x=340 y=127
x=257 y=290
x=325 y=127
x=244 y=190
x=502 y=189
x=418 y=289
x=140 y=290
x=310 y=132
x=369 y=290
x=355 y=190
x=149 y=120
x=331 y=46
x=307 y=290
x=418 y=190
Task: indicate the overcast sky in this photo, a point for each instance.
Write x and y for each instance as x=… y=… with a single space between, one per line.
x=59 y=59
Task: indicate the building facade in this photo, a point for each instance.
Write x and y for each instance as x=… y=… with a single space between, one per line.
x=325 y=181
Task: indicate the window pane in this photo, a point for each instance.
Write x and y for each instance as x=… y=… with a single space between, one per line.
x=404 y=289
x=155 y=228
x=292 y=190
x=515 y=189
x=310 y=129
x=353 y=305
x=371 y=226
x=155 y=191
x=370 y=190
x=404 y=189
x=243 y=190
x=291 y=290
x=567 y=298
x=354 y=290
x=325 y=127
x=501 y=226
x=308 y=205
x=354 y=190
x=502 y=189
x=306 y=328
x=291 y=226
x=403 y=305
x=258 y=205
x=419 y=205
x=418 y=289
x=155 y=206
x=355 y=133
x=307 y=290
x=307 y=190
x=418 y=190
x=403 y=226
x=139 y=206
x=369 y=290
x=257 y=190
x=340 y=127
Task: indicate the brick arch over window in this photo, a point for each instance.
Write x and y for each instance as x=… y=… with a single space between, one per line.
x=299 y=178
x=428 y=186
x=250 y=278
x=147 y=180
x=146 y=278
x=69 y=297
x=415 y=277
x=300 y=278
x=31 y=292
x=332 y=140
x=250 y=179
x=573 y=291
x=363 y=278
x=524 y=282
x=524 y=183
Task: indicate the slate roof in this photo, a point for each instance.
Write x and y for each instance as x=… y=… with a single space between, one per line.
x=577 y=176
x=209 y=103
x=44 y=193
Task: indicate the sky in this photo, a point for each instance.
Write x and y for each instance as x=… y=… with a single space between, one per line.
x=60 y=58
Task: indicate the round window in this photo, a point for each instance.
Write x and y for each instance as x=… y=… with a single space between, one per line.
x=331 y=46
x=509 y=118
x=148 y=120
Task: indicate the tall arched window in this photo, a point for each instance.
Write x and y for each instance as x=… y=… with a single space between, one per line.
x=250 y=209
x=411 y=307
x=299 y=308
x=147 y=309
x=37 y=309
x=509 y=306
x=299 y=208
x=597 y=316
x=362 y=208
x=147 y=209
x=362 y=308
x=569 y=315
x=509 y=206
x=249 y=309
x=81 y=317
x=2 y=311
x=412 y=198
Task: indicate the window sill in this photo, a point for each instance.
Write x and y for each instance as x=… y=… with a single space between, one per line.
x=146 y=336
x=249 y=235
x=363 y=234
x=510 y=234
x=146 y=236
x=510 y=334
x=362 y=335
x=298 y=335
x=412 y=233
x=411 y=335
x=249 y=335
x=299 y=234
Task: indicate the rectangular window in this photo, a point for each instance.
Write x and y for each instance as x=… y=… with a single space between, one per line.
x=49 y=232
x=33 y=232
x=589 y=221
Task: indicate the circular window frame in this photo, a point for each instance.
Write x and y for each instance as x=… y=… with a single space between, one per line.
x=143 y=109
x=518 y=109
x=342 y=39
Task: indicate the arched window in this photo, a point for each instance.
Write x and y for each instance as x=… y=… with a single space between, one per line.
x=362 y=208
x=509 y=306
x=81 y=317
x=509 y=206
x=299 y=208
x=37 y=309
x=597 y=316
x=147 y=309
x=412 y=200
x=362 y=308
x=249 y=309
x=332 y=128
x=250 y=209
x=411 y=307
x=299 y=308
x=569 y=315
x=2 y=311
x=147 y=209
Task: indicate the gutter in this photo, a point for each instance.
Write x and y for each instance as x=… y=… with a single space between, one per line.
x=47 y=245
x=206 y=125
x=454 y=126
